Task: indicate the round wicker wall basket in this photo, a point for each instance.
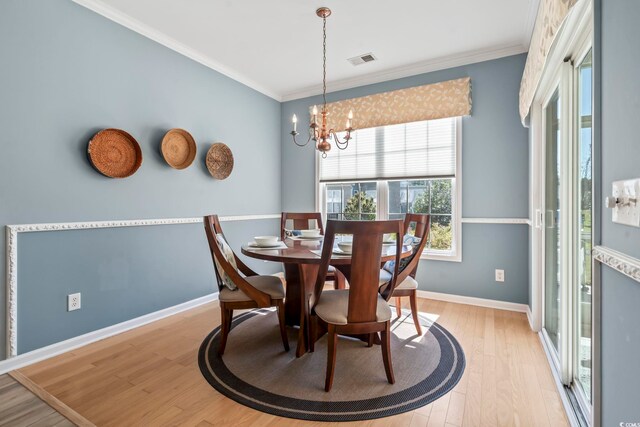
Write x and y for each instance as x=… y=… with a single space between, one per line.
x=178 y=148
x=114 y=153
x=219 y=161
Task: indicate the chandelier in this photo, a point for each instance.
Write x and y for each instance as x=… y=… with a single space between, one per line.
x=320 y=134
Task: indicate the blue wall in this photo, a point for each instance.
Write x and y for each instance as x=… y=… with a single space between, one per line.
x=68 y=72
x=494 y=179
x=619 y=61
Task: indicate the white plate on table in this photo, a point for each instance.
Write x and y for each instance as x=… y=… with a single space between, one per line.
x=275 y=245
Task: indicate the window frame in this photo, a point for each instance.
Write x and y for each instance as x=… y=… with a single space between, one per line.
x=382 y=211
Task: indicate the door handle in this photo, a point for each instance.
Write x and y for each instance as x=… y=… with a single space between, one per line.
x=538 y=219
x=551 y=222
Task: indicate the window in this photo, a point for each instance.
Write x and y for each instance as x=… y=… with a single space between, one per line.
x=389 y=171
x=429 y=196
x=356 y=201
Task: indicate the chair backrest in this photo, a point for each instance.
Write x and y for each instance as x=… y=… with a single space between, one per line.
x=422 y=226
x=300 y=221
x=212 y=229
x=365 y=264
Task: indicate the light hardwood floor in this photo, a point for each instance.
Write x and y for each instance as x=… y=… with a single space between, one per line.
x=150 y=376
x=20 y=407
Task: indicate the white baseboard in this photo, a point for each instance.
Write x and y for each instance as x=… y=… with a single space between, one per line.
x=481 y=302
x=530 y=318
x=52 y=350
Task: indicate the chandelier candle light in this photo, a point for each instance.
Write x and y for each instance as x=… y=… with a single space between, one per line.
x=319 y=133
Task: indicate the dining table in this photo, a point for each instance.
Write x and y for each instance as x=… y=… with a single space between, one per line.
x=301 y=259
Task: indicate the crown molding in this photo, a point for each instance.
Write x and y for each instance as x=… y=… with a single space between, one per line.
x=421 y=67
x=530 y=22
x=133 y=24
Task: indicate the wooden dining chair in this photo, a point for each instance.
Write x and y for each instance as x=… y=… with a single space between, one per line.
x=359 y=309
x=252 y=290
x=407 y=286
x=303 y=221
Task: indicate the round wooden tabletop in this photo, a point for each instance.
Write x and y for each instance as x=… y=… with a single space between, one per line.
x=308 y=252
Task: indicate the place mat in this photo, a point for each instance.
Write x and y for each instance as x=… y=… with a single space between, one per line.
x=306 y=239
x=341 y=253
x=337 y=252
x=426 y=367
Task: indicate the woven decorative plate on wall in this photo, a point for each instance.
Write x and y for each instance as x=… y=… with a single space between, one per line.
x=114 y=153
x=219 y=161
x=178 y=148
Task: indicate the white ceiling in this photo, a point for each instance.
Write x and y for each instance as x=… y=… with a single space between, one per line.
x=276 y=46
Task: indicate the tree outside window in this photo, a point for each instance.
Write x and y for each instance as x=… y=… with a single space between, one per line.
x=353 y=201
x=429 y=196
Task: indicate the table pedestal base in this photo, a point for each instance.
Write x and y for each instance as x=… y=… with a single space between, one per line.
x=301 y=279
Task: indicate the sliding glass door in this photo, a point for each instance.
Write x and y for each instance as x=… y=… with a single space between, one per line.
x=567 y=232
x=552 y=220
x=584 y=161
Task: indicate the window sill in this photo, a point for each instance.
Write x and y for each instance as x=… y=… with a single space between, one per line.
x=443 y=256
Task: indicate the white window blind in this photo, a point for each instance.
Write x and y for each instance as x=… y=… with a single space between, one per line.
x=424 y=149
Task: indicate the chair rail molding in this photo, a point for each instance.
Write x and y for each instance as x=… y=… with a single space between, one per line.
x=525 y=221
x=12 y=254
x=620 y=262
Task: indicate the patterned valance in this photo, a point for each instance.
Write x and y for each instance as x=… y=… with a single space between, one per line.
x=551 y=15
x=435 y=101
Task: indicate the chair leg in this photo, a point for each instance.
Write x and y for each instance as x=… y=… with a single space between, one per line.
x=331 y=357
x=283 y=327
x=370 y=340
x=386 y=352
x=399 y=306
x=313 y=330
x=225 y=326
x=339 y=281
x=414 y=311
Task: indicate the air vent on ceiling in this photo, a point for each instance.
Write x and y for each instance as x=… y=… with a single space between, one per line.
x=361 y=59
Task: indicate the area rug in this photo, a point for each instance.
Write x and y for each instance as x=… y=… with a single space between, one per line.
x=256 y=371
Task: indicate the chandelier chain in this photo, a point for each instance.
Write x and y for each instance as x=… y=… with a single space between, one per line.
x=324 y=62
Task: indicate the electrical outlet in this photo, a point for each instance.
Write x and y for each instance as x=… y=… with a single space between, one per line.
x=499 y=275
x=73 y=302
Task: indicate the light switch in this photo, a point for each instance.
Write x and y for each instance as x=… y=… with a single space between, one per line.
x=624 y=203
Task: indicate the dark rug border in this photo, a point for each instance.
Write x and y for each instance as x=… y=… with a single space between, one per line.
x=449 y=347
